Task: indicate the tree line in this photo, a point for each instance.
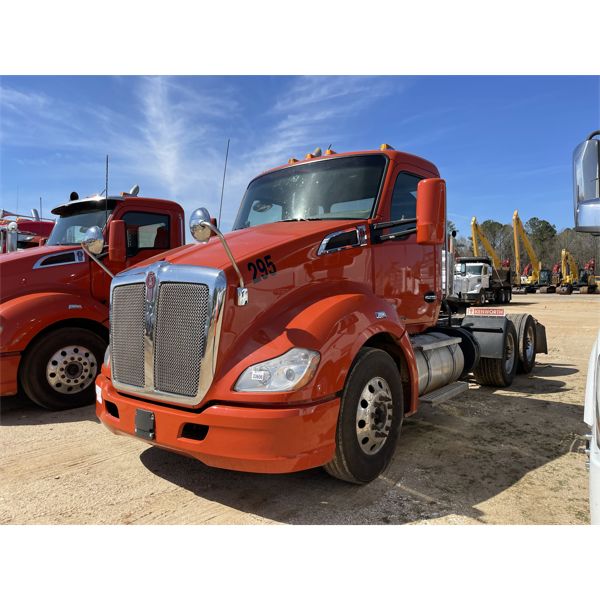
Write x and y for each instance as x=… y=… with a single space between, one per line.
x=544 y=237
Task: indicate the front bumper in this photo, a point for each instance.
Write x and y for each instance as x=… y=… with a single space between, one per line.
x=9 y=369
x=258 y=440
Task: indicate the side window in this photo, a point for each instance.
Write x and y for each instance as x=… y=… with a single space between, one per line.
x=146 y=231
x=404 y=200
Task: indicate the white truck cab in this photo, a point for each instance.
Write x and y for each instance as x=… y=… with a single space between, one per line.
x=586 y=203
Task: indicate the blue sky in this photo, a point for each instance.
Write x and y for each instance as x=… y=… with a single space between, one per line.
x=501 y=143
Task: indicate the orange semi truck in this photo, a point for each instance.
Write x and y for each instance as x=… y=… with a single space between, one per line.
x=54 y=298
x=308 y=334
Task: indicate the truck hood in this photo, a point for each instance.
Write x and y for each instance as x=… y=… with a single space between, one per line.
x=275 y=239
x=40 y=269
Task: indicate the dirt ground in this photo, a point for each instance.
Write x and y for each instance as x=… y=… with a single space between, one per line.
x=492 y=456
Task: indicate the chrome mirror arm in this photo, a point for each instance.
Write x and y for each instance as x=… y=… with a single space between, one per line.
x=242 y=290
x=98 y=262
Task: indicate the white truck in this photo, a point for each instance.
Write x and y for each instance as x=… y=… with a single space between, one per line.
x=586 y=183
x=477 y=281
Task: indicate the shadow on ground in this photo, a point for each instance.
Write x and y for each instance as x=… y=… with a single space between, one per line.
x=19 y=410
x=449 y=459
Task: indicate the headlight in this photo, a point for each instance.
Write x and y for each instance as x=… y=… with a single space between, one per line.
x=287 y=372
x=107 y=356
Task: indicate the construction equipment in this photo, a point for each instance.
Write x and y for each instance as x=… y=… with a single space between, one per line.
x=569 y=273
x=538 y=279
x=587 y=278
x=478 y=235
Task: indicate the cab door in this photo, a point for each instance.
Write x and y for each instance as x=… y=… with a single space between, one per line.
x=406 y=274
x=146 y=233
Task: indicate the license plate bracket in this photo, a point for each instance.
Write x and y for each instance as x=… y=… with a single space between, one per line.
x=145 y=424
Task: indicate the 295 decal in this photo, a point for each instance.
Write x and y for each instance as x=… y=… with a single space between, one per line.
x=262 y=268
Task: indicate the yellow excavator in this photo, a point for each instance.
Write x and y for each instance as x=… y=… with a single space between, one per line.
x=539 y=279
x=569 y=279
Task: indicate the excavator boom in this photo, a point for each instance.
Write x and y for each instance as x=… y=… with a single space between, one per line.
x=478 y=236
x=519 y=233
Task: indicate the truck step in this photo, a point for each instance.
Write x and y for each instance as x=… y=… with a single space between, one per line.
x=445 y=393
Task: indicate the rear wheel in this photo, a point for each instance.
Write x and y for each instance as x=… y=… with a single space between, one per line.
x=371 y=415
x=525 y=326
x=500 y=372
x=59 y=369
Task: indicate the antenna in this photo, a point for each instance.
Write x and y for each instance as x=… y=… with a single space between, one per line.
x=41 y=208
x=223 y=185
x=106 y=194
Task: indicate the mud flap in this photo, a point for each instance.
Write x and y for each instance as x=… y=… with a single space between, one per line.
x=541 y=345
x=489 y=333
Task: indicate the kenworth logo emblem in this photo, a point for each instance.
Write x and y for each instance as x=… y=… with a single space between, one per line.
x=150 y=283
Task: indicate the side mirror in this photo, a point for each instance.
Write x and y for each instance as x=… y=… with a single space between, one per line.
x=93 y=241
x=117 y=247
x=586 y=185
x=431 y=212
x=199 y=225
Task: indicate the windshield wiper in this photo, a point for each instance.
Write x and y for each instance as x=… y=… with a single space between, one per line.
x=301 y=219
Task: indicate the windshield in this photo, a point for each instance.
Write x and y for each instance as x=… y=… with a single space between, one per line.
x=466 y=269
x=340 y=188
x=70 y=229
x=474 y=269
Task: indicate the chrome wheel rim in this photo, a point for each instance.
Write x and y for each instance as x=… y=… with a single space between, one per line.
x=529 y=344
x=509 y=350
x=374 y=415
x=71 y=369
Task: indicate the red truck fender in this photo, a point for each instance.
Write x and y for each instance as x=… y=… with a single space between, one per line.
x=23 y=318
x=338 y=327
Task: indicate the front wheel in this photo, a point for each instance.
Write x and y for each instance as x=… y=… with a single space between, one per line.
x=59 y=369
x=371 y=415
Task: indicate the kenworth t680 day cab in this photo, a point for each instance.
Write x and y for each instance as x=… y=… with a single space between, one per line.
x=54 y=298
x=306 y=335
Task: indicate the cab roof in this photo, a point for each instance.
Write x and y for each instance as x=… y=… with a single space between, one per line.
x=392 y=154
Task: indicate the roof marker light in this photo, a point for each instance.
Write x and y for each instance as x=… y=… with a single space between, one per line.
x=329 y=152
x=292 y=160
x=386 y=147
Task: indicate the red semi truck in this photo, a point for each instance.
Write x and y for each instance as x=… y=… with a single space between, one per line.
x=311 y=331
x=54 y=298
x=18 y=232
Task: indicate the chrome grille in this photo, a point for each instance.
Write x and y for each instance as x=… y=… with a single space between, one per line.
x=127 y=334
x=179 y=337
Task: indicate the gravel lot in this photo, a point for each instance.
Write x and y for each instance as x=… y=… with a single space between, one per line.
x=492 y=456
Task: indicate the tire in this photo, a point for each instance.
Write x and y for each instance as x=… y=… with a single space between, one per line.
x=525 y=326
x=41 y=365
x=500 y=372
x=356 y=460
